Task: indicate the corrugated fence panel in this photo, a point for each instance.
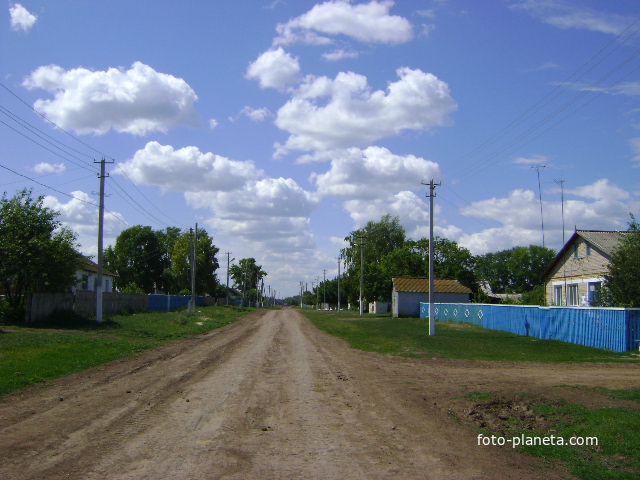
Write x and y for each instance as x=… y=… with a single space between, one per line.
x=166 y=303
x=614 y=329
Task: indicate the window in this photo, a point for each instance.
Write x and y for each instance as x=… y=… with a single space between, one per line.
x=85 y=282
x=573 y=295
x=594 y=291
x=588 y=249
x=575 y=250
x=557 y=295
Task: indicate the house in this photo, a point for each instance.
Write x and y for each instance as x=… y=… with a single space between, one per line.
x=498 y=297
x=87 y=276
x=408 y=292
x=575 y=275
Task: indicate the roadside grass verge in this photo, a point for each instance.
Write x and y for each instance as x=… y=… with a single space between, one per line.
x=607 y=438
x=410 y=337
x=615 y=457
x=67 y=343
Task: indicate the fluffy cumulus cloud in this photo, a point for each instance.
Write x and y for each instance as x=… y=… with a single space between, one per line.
x=412 y=211
x=136 y=101
x=80 y=214
x=328 y=114
x=45 y=168
x=265 y=214
x=274 y=69
x=367 y=22
x=21 y=18
x=364 y=174
x=600 y=205
x=187 y=169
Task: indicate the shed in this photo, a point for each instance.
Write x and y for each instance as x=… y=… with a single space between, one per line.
x=408 y=292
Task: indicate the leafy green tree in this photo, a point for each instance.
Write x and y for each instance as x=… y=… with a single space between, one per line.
x=206 y=263
x=137 y=258
x=517 y=270
x=167 y=239
x=247 y=274
x=37 y=253
x=622 y=285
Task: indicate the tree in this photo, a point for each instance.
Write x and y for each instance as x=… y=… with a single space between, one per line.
x=206 y=263
x=137 y=258
x=247 y=275
x=621 y=287
x=38 y=254
x=517 y=270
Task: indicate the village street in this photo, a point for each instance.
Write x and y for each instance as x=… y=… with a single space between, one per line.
x=269 y=397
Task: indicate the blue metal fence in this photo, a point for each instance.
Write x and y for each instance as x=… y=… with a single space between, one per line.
x=616 y=329
x=166 y=303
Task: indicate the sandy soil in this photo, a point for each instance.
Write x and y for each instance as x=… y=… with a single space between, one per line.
x=271 y=397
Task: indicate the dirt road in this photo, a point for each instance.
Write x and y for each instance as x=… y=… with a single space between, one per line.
x=271 y=397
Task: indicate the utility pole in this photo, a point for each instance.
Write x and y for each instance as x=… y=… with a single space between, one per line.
x=194 y=245
x=324 y=288
x=361 y=245
x=432 y=317
x=102 y=176
x=228 y=262
x=301 y=293
x=538 y=168
x=564 y=263
x=339 y=259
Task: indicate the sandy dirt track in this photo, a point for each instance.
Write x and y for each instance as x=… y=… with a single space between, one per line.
x=272 y=397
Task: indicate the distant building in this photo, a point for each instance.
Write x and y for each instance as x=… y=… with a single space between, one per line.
x=408 y=292
x=87 y=276
x=576 y=274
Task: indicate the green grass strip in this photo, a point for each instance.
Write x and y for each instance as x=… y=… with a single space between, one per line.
x=67 y=343
x=410 y=337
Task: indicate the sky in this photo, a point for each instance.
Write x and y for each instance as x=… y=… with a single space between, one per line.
x=280 y=126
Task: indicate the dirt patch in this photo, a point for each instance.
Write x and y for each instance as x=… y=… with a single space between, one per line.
x=271 y=396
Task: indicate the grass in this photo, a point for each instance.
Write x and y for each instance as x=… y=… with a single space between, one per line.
x=67 y=343
x=410 y=337
x=616 y=429
x=613 y=455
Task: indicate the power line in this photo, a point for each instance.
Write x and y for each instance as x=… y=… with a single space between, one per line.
x=54 y=124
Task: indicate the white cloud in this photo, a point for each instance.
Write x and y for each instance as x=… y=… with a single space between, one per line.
x=367 y=22
x=563 y=15
x=21 y=18
x=365 y=174
x=600 y=205
x=213 y=123
x=274 y=69
x=340 y=54
x=45 y=168
x=80 y=214
x=254 y=114
x=327 y=114
x=412 y=211
x=600 y=190
x=187 y=169
x=257 y=214
x=635 y=148
x=531 y=161
x=136 y=101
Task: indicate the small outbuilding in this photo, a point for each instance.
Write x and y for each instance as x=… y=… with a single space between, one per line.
x=408 y=292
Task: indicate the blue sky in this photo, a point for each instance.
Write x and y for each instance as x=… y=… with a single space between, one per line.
x=281 y=126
